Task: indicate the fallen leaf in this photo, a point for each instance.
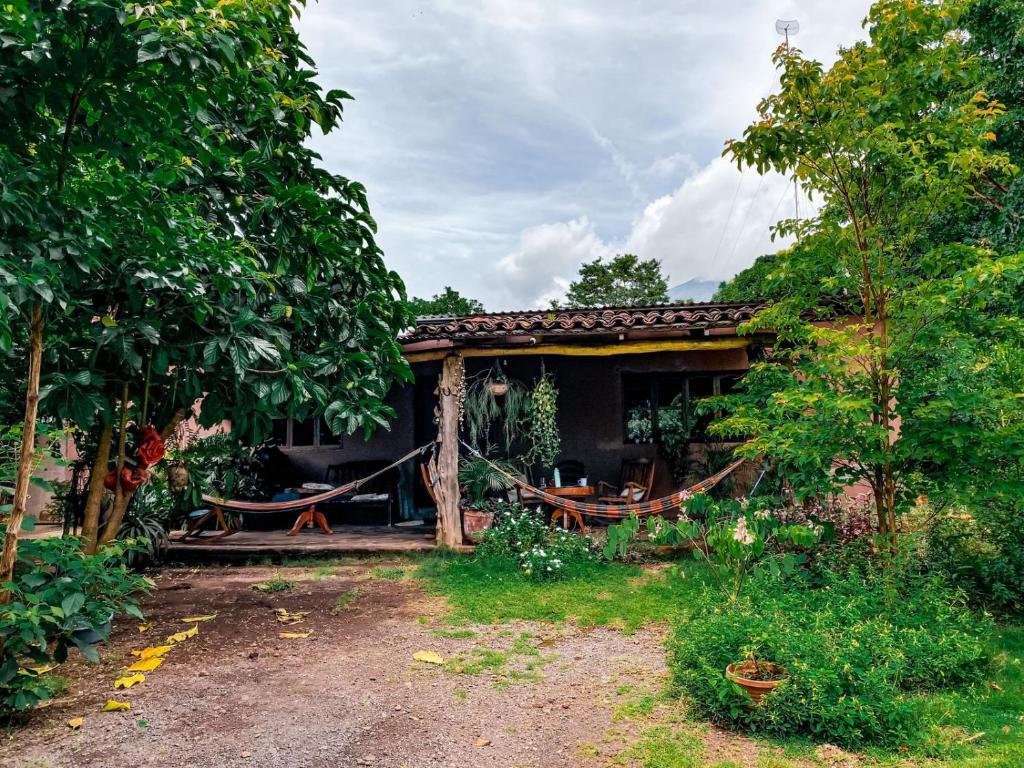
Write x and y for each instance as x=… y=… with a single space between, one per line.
x=287 y=617
x=294 y=635
x=128 y=682
x=152 y=651
x=482 y=742
x=178 y=637
x=428 y=657
x=146 y=665
x=76 y=722
x=145 y=627
x=194 y=619
x=995 y=687
x=116 y=706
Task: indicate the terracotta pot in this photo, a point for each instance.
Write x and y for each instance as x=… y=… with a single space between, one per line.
x=756 y=689
x=498 y=388
x=474 y=521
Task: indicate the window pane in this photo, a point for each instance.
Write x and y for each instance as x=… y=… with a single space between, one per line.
x=326 y=438
x=279 y=433
x=636 y=408
x=302 y=432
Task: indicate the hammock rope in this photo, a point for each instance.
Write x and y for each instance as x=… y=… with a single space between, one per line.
x=615 y=511
x=293 y=504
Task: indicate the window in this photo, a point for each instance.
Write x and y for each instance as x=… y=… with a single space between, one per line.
x=304 y=433
x=661 y=405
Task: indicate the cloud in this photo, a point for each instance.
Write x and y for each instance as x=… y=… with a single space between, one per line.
x=504 y=142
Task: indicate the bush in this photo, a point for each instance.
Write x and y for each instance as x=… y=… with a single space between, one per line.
x=522 y=536
x=858 y=639
x=57 y=588
x=982 y=551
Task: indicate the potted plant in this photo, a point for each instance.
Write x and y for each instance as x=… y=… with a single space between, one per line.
x=481 y=481
x=758 y=678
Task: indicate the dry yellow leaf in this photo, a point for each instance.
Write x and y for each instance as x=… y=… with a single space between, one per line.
x=428 y=657
x=288 y=617
x=128 y=682
x=151 y=651
x=146 y=665
x=294 y=635
x=178 y=637
x=145 y=627
x=194 y=619
x=76 y=722
x=482 y=742
x=116 y=706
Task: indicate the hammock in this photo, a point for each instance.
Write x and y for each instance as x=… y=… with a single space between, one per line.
x=617 y=511
x=309 y=515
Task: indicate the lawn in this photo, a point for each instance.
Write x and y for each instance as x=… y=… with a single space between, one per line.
x=978 y=726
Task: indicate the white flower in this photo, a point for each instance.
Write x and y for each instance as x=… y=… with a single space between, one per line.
x=744 y=502
x=741 y=534
x=762 y=514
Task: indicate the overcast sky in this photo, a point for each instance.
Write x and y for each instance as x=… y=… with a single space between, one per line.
x=504 y=142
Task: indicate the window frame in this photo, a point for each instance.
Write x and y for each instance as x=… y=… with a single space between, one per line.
x=655 y=380
x=318 y=436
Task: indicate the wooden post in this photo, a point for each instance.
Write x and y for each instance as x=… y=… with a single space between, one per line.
x=450 y=388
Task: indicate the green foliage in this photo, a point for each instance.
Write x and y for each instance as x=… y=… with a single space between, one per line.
x=626 y=280
x=56 y=589
x=219 y=465
x=981 y=550
x=276 y=583
x=149 y=516
x=859 y=640
x=482 y=481
x=449 y=303
x=543 y=438
x=486 y=412
x=520 y=535
x=735 y=539
x=896 y=140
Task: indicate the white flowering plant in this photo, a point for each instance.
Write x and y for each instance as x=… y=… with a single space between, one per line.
x=522 y=536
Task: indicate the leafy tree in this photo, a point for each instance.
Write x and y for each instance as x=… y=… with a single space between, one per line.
x=158 y=188
x=895 y=139
x=447 y=303
x=626 y=281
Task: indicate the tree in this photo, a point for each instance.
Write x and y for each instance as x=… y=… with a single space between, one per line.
x=625 y=281
x=896 y=140
x=195 y=249
x=448 y=303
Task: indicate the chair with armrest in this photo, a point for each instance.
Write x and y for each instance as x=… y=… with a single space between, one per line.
x=635 y=483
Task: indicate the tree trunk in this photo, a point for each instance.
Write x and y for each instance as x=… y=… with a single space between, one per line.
x=94 y=499
x=122 y=497
x=450 y=388
x=27 y=455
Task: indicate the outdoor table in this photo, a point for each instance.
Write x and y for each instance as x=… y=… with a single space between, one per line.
x=572 y=492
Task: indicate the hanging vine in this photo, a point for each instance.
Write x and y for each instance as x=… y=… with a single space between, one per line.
x=545 y=442
x=493 y=399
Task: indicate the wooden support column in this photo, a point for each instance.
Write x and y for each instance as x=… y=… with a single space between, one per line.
x=445 y=467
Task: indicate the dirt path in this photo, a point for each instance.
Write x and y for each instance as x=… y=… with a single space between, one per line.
x=348 y=695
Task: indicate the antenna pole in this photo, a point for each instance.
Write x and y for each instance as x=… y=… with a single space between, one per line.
x=783 y=27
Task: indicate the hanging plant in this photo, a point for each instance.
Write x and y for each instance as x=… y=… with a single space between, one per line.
x=545 y=442
x=493 y=397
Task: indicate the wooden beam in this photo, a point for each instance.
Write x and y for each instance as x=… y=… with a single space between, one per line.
x=580 y=350
x=445 y=465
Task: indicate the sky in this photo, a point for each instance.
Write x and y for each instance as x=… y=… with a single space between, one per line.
x=505 y=142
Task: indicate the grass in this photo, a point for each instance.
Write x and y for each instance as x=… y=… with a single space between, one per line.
x=276 y=584
x=345 y=600
x=973 y=727
x=489 y=592
x=388 y=572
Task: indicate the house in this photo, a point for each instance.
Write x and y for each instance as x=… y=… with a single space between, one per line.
x=618 y=372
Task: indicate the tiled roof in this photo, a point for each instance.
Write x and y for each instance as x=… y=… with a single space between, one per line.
x=599 y=320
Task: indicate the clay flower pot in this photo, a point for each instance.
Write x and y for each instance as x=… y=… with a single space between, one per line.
x=474 y=521
x=757 y=680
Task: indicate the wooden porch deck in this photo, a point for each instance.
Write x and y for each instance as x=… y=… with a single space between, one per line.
x=346 y=540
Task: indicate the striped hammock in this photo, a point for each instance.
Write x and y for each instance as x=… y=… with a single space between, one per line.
x=668 y=503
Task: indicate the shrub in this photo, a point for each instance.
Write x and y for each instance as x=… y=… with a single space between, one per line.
x=858 y=639
x=522 y=536
x=56 y=589
x=982 y=551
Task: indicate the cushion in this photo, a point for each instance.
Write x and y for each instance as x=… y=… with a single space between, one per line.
x=362 y=498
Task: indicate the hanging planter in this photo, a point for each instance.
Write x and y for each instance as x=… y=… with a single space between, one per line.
x=498 y=388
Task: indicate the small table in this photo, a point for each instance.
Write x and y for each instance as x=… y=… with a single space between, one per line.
x=570 y=492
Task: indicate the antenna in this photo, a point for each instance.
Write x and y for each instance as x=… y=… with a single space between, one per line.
x=789 y=27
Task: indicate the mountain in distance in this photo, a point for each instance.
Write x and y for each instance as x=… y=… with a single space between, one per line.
x=693 y=290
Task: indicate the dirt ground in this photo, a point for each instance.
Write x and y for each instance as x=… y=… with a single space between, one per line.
x=350 y=694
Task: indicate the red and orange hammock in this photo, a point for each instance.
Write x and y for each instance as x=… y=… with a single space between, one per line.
x=576 y=509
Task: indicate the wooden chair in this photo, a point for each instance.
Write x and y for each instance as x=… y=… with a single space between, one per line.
x=635 y=483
